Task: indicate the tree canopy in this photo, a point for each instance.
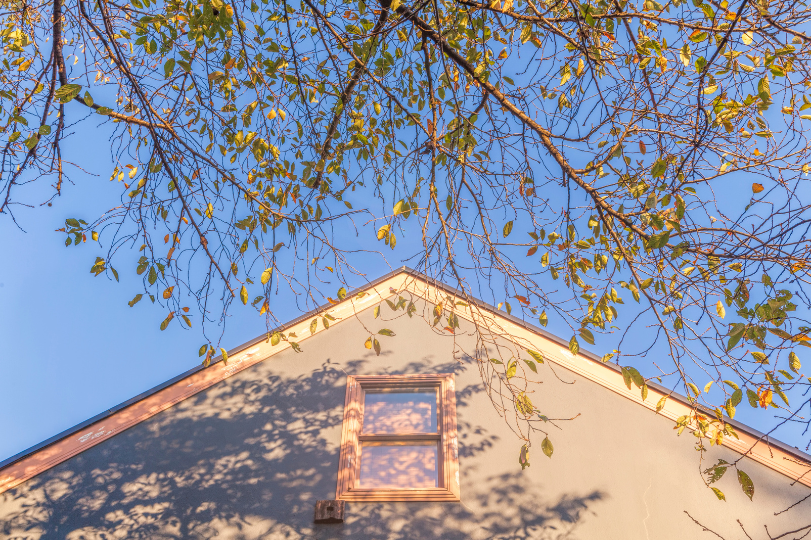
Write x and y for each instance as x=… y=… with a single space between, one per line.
x=633 y=171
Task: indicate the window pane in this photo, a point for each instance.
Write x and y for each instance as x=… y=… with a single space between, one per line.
x=398 y=466
x=399 y=412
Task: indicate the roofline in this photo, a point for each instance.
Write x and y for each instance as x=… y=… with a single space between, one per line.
x=155 y=389
x=792 y=451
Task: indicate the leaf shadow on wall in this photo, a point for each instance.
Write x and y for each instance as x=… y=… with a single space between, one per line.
x=248 y=458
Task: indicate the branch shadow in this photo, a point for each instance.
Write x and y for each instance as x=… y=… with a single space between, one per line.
x=249 y=457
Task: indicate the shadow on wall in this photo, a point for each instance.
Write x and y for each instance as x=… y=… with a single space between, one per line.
x=248 y=459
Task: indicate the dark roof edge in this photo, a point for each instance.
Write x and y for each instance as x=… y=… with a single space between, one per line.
x=143 y=395
x=796 y=452
x=799 y=454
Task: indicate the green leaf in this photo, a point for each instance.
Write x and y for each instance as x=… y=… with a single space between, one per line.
x=794 y=362
x=546 y=446
x=202 y=350
x=531 y=365
x=67 y=92
x=44 y=130
x=752 y=397
x=169 y=67
x=736 y=398
x=574 y=346
x=153 y=276
x=659 y=168
x=718 y=493
x=243 y=295
x=512 y=366
x=587 y=336
x=377 y=312
x=508 y=227
x=543 y=319
x=275 y=339
x=536 y=355
x=644 y=392
x=523 y=457
x=385 y=332
x=341 y=293
x=496 y=361
x=135 y=300
x=266 y=275
x=626 y=377
x=224 y=354
x=746 y=483
x=313 y=326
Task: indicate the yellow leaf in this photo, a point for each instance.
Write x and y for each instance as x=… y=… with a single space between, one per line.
x=757 y=188
x=719 y=308
x=707 y=387
x=711 y=89
x=133 y=172
x=747 y=38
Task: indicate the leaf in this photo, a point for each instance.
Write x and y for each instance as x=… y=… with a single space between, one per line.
x=376 y=345
x=707 y=387
x=44 y=130
x=546 y=446
x=166 y=321
x=718 y=493
x=543 y=318
x=153 y=276
x=661 y=404
x=757 y=188
x=224 y=354
x=574 y=346
x=587 y=336
x=313 y=326
x=659 y=168
x=67 y=92
x=383 y=232
x=266 y=275
x=169 y=67
x=385 y=332
x=538 y=357
x=531 y=365
x=523 y=457
x=275 y=339
x=243 y=295
x=626 y=377
x=508 y=227
x=752 y=397
x=341 y=293
x=644 y=392
x=719 y=308
x=135 y=300
x=794 y=362
x=736 y=397
x=746 y=483
x=202 y=350
x=512 y=366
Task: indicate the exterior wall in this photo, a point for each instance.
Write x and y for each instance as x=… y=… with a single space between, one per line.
x=249 y=457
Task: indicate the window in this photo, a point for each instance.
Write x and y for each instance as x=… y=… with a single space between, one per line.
x=399 y=439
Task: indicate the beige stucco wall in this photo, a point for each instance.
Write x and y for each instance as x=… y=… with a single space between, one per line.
x=249 y=457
